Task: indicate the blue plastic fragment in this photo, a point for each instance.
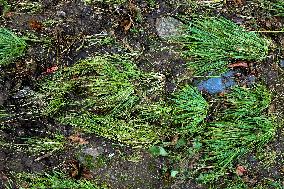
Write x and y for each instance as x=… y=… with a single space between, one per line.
x=218 y=84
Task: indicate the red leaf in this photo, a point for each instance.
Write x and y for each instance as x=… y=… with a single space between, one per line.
x=240 y=170
x=51 y=70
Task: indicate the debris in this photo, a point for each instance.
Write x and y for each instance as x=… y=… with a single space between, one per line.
x=77 y=139
x=239 y=64
x=281 y=63
x=240 y=170
x=218 y=84
x=26 y=91
x=35 y=25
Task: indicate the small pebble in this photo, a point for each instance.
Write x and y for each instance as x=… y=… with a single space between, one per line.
x=61 y=13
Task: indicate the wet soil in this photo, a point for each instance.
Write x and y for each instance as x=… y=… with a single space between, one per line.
x=58 y=33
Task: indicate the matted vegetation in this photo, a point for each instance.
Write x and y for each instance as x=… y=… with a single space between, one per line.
x=99 y=95
x=53 y=180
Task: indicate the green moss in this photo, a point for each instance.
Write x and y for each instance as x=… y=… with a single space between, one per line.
x=11 y=46
x=242 y=127
x=211 y=43
x=277 y=8
x=103 y=95
x=189 y=110
x=53 y=180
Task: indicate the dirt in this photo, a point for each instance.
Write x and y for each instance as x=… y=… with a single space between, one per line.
x=59 y=31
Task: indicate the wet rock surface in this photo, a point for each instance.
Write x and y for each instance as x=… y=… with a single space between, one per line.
x=167 y=26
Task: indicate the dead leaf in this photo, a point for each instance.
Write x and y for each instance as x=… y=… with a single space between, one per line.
x=175 y=140
x=35 y=25
x=240 y=170
x=77 y=139
x=75 y=168
x=239 y=2
x=126 y=24
x=239 y=64
x=51 y=70
x=87 y=174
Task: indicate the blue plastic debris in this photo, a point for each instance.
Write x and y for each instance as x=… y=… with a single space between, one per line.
x=218 y=84
x=224 y=82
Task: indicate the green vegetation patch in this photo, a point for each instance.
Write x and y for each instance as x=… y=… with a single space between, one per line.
x=11 y=46
x=278 y=8
x=211 y=43
x=189 y=109
x=242 y=127
x=54 y=180
x=102 y=96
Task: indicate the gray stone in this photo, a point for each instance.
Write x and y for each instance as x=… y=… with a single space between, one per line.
x=94 y=152
x=25 y=92
x=168 y=26
x=61 y=13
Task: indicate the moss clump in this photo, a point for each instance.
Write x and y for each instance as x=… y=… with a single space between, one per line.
x=211 y=43
x=103 y=95
x=11 y=46
x=278 y=8
x=241 y=127
x=53 y=180
x=189 y=110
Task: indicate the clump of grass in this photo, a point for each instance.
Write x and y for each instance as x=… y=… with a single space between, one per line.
x=11 y=46
x=102 y=96
x=278 y=8
x=39 y=146
x=211 y=43
x=246 y=102
x=5 y=6
x=53 y=180
x=189 y=109
x=242 y=127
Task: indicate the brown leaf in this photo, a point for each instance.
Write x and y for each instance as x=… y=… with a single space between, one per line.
x=239 y=2
x=35 y=25
x=239 y=64
x=175 y=140
x=77 y=139
x=240 y=170
x=87 y=174
x=126 y=24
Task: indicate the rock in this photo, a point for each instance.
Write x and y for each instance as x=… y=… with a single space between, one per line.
x=94 y=152
x=61 y=13
x=167 y=26
x=25 y=92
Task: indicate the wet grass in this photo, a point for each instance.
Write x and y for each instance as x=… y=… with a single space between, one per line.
x=211 y=43
x=109 y=96
x=11 y=46
x=99 y=95
x=53 y=180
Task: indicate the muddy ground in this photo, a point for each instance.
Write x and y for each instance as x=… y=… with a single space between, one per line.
x=59 y=33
